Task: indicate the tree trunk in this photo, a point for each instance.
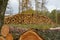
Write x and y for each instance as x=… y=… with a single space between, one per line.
x=3 y=4
x=19 y=6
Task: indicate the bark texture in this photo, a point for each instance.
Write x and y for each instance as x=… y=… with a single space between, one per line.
x=3 y=4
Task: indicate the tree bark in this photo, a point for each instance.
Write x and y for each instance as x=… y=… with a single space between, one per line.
x=3 y=4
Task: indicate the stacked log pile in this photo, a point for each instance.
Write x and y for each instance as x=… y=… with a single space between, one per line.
x=28 y=19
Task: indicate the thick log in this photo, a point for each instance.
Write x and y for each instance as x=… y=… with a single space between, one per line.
x=9 y=37
x=5 y=30
x=2 y=38
x=30 y=35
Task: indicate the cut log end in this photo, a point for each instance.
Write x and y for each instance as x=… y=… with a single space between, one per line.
x=5 y=30
x=2 y=38
x=9 y=37
x=30 y=35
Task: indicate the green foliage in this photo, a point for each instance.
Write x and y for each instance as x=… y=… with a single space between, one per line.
x=35 y=26
x=52 y=15
x=45 y=13
x=58 y=16
x=55 y=16
x=30 y=11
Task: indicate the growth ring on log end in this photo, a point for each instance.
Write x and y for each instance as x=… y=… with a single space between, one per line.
x=2 y=38
x=9 y=37
x=30 y=35
x=5 y=30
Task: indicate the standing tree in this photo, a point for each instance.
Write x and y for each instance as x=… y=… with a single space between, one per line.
x=25 y=4
x=37 y=5
x=43 y=7
x=40 y=6
x=3 y=4
x=19 y=6
x=53 y=15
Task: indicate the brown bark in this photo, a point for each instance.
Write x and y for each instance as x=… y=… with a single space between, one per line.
x=3 y=4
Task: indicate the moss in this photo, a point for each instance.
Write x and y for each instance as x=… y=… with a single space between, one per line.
x=35 y=26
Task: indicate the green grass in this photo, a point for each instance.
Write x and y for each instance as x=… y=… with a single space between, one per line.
x=35 y=26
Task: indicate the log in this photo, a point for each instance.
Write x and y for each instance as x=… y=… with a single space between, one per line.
x=9 y=37
x=2 y=38
x=30 y=35
x=5 y=30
